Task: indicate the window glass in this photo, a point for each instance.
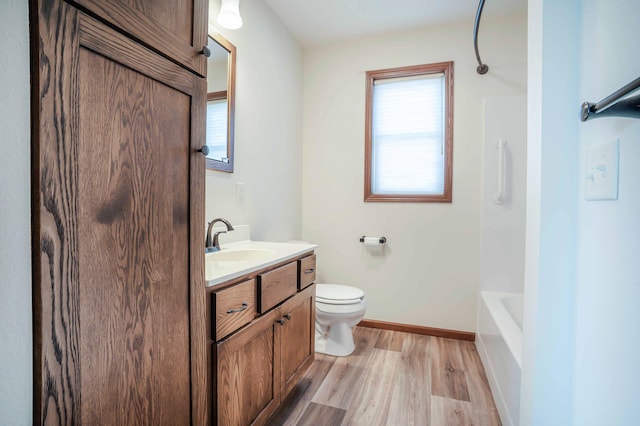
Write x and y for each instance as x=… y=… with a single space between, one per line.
x=409 y=134
x=217 y=128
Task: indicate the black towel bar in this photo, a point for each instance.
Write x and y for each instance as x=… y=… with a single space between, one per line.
x=613 y=105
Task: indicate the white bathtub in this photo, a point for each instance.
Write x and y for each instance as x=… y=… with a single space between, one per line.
x=499 y=343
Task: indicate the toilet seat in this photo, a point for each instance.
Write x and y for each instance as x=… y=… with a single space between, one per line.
x=335 y=294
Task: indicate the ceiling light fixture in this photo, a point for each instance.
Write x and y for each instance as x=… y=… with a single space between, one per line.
x=229 y=16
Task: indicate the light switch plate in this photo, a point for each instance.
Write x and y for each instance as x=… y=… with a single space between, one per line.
x=601 y=171
x=239 y=192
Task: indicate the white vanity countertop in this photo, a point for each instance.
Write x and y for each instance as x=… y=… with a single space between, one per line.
x=243 y=257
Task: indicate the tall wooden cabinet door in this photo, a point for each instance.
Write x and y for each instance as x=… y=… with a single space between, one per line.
x=246 y=385
x=118 y=206
x=298 y=342
x=175 y=28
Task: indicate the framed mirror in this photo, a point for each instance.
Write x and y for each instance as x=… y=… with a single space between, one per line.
x=221 y=84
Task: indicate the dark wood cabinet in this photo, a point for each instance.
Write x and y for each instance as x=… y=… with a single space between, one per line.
x=118 y=207
x=259 y=364
x=276 y=285
x=176 y=29
x=247 y=364
x=297 y=338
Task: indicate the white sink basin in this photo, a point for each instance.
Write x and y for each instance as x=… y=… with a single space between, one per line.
x=239 y=255
x=243 y=257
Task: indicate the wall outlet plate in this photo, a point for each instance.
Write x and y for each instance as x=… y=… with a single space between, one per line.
x=601 y=171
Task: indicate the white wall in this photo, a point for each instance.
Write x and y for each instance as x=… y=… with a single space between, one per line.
x=607 y=360
x=581 y=345
x=16 y=378
x=503 y=225
x=552 y=170
x=429 y=274
x=268 y=129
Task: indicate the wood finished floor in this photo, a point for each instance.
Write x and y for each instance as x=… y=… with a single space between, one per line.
x=393 y=378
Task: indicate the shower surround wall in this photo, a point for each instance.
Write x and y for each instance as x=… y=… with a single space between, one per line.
x=429 y=273
x=503 y=225
x=502 y=253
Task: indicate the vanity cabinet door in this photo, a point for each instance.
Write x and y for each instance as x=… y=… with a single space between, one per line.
x=177 y=29
x=298 y=342
x=246 y=387
x=118 y=202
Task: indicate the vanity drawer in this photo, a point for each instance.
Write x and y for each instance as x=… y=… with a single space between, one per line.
x=277 y=285
x=234 y=307
x=306 y=271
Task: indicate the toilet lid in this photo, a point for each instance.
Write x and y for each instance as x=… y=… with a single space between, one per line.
x=336 y=294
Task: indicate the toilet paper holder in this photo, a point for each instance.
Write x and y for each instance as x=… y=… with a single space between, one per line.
x=382 y=240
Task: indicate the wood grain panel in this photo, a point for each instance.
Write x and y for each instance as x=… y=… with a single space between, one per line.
x=306 y=271
x=98 y=37
x=246 y=369
x=134 y=265
x=119 y=313
x=298 y=339
x=201 y=404
x=176 y=29
x=54 y=204
x=276 y=286
x=229 y=308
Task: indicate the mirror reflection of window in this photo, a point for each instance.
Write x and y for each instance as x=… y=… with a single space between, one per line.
x=220 y=103
x=217 y=108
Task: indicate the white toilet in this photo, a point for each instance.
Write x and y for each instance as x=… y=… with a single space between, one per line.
x=338 y=309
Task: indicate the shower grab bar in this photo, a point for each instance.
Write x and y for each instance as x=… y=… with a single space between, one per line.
x=482 y=68
x=498 y=197
x=612 y=106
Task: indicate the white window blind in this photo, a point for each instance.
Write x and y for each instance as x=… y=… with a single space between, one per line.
x=408 y=122
x=217 y=129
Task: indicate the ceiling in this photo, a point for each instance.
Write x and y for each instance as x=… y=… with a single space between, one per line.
x=317 y=22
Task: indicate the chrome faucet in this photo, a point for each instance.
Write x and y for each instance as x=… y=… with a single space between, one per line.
x=214 y=245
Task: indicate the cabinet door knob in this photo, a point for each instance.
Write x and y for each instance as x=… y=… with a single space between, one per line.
x=309 y=271
x=204 y=150
x=287 y=316
x=280 y=321
x=205 y=51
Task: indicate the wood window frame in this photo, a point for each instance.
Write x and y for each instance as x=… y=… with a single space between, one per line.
x=410 y=71
x=217 y=96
